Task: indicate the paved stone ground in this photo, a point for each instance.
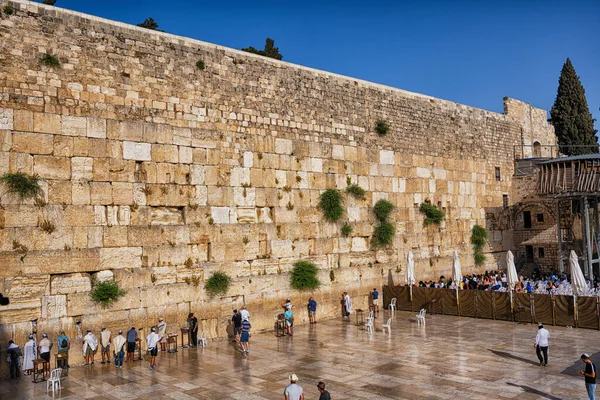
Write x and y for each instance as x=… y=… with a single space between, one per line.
x=451 y=357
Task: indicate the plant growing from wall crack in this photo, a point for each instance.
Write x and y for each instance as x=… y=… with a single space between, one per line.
x=106 y=292
x=383 y=234
x=217 y=284
x=478 y=238
x=22 y=185
x=304 y=276
x=432 y=214
x=331 y=204
x=381 y=127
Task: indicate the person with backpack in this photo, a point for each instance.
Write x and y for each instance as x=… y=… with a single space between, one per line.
x=63 y=347
x=14 y=353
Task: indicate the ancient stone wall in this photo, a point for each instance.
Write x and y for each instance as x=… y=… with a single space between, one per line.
x=158 y=173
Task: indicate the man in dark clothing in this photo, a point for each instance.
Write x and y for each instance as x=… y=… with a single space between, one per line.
x=14 y=353
x=193 y=323
x=324 y=393
x=590 y=376
x=312 y=310
x=131 y=339
x=237 y=325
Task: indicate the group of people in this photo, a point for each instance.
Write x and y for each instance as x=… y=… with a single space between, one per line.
x=293 y=391
x=241 y=329
x=121 y=346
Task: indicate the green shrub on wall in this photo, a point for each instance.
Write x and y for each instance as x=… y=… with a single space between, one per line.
x=381 y=127
x=217 y=284
x=331 y=204
x=304 y=276
x=22 y=185
x=478 y=238
x=346 y=229
x=432 y=214
x=383 y=209
x=106 y=292
x=50 y=61
x=383 y=234
x=356 y=191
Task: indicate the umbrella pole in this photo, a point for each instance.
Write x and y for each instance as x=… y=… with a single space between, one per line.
x=411 y=298
x=457 y=303
x=512 y=307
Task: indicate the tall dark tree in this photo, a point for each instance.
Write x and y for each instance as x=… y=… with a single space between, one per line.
x=150 y=23
x=570 y=115
x=49 y=2
x=269 y=51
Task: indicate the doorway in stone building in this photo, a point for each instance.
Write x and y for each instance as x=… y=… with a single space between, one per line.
x=529 y=254
x=537 y=150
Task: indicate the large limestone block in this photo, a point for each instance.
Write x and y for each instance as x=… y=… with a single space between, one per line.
x=47 y=123
x=123 y=257
x=164 y=275
x=137 y=151
x=25 y=288
x=54 y=306
x=74 y=126
x=21 y=311
x=281 y=248
x=166 y=216
x=50 y=167
x=79 y=216
x=82 y=168
x=144 y=236
x=244 y=196
x=70 y=283
x=283 y=146
x=386 y=157
x=101 y=193
x=20 y=215
x=33 y=143
x=96 y=128
x=220 y=215
x=49 y=262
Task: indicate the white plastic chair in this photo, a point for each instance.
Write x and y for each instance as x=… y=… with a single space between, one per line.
x=54 y=380
x=371 y=314
x=202 y=340
x=388 y=326
x=421 y=317
x=392 y=305
x=369 y=324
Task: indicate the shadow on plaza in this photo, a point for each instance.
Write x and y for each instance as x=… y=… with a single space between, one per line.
x=528 y=389
x=504 y=354
x=578 y=365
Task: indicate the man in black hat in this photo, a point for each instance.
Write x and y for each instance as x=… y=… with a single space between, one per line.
x=541 y=345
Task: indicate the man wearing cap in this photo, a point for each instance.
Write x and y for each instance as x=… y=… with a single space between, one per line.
x=237 y=325
x=44 y=347
x=193 y=324
x=324 y=393
x=13 y=352
x=152 y=339
x=245 y=337
x=293 y=391
x=119 y=349
x=105 y=344
x=162 y=332
x=90 y=345
x=29 y=354
x=131 y=338
x=541 y=344
x=287 y=305
x=590 y=375
x=375 y=297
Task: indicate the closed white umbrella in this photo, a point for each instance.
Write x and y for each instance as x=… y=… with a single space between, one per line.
x=410 y=269
x=511 y=271
x=577 y=279
x=456 y=272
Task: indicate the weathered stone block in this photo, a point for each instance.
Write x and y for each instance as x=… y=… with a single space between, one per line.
x=47 y=123
x=74 y=126
x=54 y=306
x=82 y=168
x=23 y=120
x=122 y=257
x=50 y=167
x=33 y=143
x=6 y=118
x=70 y=283
x=96 y=128
x=137 y=151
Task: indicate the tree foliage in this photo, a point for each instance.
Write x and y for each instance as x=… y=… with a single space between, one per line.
x=49 y=2
x=269 y=51
x=150 y=23
x=570 y=115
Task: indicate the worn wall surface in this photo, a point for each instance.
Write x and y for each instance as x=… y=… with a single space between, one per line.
x=157 y=173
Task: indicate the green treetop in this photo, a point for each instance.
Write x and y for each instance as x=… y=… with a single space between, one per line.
x=269 y=51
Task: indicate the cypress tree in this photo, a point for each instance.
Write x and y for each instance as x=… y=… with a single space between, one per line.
x=570 y=115
x=269 y=51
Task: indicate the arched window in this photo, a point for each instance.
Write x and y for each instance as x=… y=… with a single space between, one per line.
x=537 y=149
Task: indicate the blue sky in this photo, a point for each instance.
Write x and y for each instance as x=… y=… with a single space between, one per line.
x=473 y=52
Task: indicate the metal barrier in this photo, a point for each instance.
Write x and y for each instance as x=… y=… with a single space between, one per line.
x=581 y=312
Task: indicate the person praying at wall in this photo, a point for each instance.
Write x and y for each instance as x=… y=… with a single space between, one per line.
x=90 y=346
x=29 y=354
x=162 y=332
x=44 y=347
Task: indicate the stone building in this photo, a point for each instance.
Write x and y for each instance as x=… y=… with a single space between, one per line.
x=157 y=173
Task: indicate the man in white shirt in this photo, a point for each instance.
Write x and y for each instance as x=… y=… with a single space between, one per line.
x=90 y=345
x=119 y=349
x=541 y=345
x=244 y=313
x=44 y=347
x=153 y=340
x=105 y=344
x=293 y=391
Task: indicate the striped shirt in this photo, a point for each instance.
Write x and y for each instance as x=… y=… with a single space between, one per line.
x=246 y=326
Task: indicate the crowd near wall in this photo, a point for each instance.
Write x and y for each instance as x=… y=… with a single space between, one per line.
x=157 y=173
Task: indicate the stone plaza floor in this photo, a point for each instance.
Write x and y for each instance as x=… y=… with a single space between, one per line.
x=449 y=358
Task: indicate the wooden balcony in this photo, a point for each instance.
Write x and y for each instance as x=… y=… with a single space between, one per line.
x=570 y=176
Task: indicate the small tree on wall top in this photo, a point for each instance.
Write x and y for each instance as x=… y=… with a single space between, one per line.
x=270 y=50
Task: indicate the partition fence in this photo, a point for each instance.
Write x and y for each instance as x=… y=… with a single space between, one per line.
x=561 y=310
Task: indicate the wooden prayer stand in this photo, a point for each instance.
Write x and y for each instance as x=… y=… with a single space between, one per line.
x=40 y=374
x=185 y=332
x=62 y=361
x=172 y=340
